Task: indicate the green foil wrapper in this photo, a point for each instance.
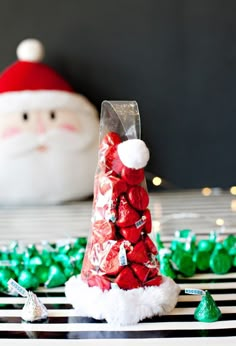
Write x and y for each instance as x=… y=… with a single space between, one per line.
x=220 y=260
x=207 y=310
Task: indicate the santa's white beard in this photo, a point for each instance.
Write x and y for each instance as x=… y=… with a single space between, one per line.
x=61 y=173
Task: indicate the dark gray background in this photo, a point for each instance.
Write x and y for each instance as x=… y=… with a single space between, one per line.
x=176 y=58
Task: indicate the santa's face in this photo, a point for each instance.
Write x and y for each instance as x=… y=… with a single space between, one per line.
x=47 y=156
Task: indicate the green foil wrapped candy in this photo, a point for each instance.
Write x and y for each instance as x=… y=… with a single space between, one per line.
x=220 y=261
x=205 y=245
x=202 y=259
x=56 y=277
x=63 y=249
x=34 y=262
x=184 y=263
x=234 y=261
x=41 y=273
x=28 y=280
x=76 y=257
x=80 y=242
x=230 y=242
x=46 y=256
x=5 y=253
x=187 y=238
x=5 y=275
x=31 y=250
x=166 y=268
x=207 y=310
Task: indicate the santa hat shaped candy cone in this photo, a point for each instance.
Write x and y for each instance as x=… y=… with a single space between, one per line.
x=120 y=280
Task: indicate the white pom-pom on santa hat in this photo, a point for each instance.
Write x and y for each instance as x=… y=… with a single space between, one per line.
x=133 y=153
x=30 y=50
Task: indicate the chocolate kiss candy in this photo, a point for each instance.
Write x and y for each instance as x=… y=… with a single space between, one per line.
x=207 y=310
x=42 y=273
x=166 y=268
x=5 y=275
x=110 y=157
x=148 y=221
x=127 y=216
x=99 y=281
x=55 y=277
x=150 y=245
x=34 y=310
x=138 y=254
x=126 y=279
x=111 y=139
x=132 y=176
x=138 y=197
x=27 y=279
x=140 y=271
x=131 y=233
x=107 y=150
x=154 y=282
x=114 y=185
x=110 y=264
x=153 y=272
x=102 y=231
x=220 y=260
x=117 y=165
x=112 y=161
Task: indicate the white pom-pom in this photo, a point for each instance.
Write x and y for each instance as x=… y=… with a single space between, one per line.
x=133 y=153
x=30 y=50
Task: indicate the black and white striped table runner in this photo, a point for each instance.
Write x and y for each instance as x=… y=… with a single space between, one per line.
x=170 y=212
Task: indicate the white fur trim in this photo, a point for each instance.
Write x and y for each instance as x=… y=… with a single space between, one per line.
x=133 y=153
x=30 y=50
x=120 y=307
x=44 y=100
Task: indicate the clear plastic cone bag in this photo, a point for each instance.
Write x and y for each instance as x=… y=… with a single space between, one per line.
x=120 y=279
x=120 y=251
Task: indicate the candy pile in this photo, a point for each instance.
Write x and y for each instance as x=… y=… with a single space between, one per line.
x=186 y=255
x=120 y=251
x=46 y=264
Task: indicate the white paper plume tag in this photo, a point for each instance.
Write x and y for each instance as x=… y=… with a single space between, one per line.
x=194 y=291
x=140 y=222
x=15 y=287
x=122 y=256
x=6 y=263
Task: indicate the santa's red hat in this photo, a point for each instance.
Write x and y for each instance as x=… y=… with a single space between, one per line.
x=29 y=84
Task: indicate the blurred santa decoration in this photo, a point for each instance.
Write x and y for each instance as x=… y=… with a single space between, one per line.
x=120 y=279
x=48 y=133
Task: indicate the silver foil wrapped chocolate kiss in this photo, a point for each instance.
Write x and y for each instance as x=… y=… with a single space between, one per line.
x=34 y=310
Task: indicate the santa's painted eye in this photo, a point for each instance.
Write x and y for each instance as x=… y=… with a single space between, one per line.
x=52 y=115
x=25 y=116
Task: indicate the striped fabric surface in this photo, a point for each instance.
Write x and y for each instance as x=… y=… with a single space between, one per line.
x=170 y=211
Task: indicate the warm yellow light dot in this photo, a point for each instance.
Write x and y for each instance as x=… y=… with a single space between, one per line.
x=206 y=191
x=220 y=222
x=233 y=190
x=156 y=181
